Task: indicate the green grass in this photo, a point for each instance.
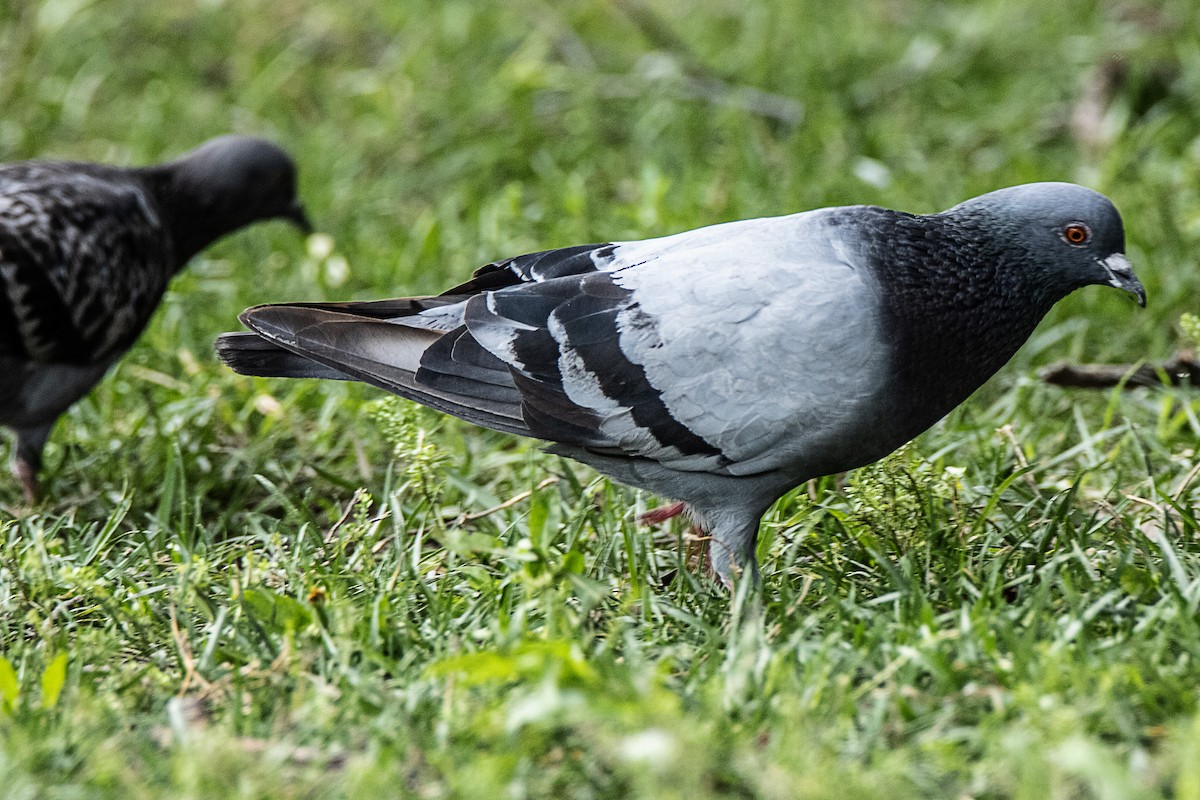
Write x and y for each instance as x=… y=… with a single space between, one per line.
x=266 y=589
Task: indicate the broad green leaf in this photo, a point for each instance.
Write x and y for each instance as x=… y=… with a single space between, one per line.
x=277 y=611
x=573 y=561
x=10 y=688
x=53 y=678
x=539 y=513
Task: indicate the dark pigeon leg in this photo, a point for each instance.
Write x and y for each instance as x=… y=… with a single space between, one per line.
x=27 y=459
x=27 y=474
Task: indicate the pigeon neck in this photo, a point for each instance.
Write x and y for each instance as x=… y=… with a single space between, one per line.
x=194 y=216
x=957 y=307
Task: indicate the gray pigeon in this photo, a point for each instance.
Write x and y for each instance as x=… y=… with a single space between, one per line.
x=726 y=365
x=86 y=252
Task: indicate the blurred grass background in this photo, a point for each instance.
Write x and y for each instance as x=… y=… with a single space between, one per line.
x=983 y=615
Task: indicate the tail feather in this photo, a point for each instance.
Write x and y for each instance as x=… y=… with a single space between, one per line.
x=384 y=354
x=250 y=354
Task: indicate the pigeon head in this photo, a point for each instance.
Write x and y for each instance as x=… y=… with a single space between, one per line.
x=1070 y=236
x=226 y=184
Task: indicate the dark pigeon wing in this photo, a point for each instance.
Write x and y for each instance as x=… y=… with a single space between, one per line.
x=453 y=363
x=562 y=340
x=683 y=350
x=537 y=267
x=656 y=350
x=35 y=322
x=503 y=368
x=83 y=263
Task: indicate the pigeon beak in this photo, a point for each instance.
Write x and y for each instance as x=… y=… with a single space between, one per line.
x=1120 y=275
x=296 y=215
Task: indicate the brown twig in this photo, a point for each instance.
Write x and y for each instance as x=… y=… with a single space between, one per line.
x=1181 y=368
x=509 y=503
x=184 y=647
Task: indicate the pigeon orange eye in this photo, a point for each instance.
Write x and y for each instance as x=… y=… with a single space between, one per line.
x=1076 y=233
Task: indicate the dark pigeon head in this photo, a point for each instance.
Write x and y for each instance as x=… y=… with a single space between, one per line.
x=1070 y=235
x=259 y=174
x=226 y=184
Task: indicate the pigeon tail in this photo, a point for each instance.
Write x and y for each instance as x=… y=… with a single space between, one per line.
x=385 y=354
x=250 y=354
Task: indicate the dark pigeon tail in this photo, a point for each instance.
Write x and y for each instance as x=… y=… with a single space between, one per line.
x=250 y=354
x=381 y=353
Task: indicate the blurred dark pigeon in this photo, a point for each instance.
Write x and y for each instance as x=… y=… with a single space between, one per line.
x=86 y=252
x=726 y=365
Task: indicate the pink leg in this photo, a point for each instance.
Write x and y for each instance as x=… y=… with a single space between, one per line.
x=27 y=458
x=27 y=474
x=659 y=515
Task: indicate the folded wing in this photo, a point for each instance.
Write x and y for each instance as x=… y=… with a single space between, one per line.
x=688 y=350
x=83 y=263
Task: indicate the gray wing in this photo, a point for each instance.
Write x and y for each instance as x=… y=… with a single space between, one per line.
x=771 y=351
x=725 y=349
x=736 y=349
x=83 y=262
